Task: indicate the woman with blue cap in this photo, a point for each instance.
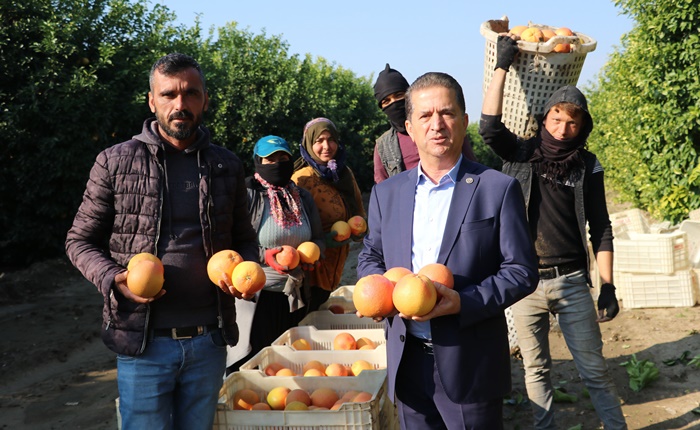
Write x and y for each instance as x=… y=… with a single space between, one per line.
x=283 y=214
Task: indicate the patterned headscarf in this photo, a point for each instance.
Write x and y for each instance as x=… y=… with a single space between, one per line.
x=335 y=171
x=312 y=130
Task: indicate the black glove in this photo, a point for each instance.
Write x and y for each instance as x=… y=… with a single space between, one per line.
x=506 y=50
x=332 y=243
x=607 y=301
x=271 y=261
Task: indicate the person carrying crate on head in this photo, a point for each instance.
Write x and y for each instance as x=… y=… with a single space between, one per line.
x=563 y=186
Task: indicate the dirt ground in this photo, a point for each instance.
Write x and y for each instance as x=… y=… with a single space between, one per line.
x=57 y=374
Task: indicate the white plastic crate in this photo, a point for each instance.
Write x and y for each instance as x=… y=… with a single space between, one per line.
x=692 y=229
x=327 y=320
x=376 y=414
x=629 y=221
x=535 y=75
x=663 y=253
x=658 y=291
x=295 y=360
x=344 y=291
x=347 y=304
x=323 y=339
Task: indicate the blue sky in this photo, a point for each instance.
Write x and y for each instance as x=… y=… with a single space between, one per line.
x=413 y=36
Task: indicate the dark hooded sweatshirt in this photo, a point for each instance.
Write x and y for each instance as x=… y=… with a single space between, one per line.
x=558 y=216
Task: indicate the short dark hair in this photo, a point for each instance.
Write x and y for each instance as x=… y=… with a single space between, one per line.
x=174 y=63
x=434 y=79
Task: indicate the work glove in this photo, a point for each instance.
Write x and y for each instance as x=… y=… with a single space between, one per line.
x=272 y=262
x=310 y=267
x=506 y=50
x=332 y=243
x=607 y=302
x=358 y=237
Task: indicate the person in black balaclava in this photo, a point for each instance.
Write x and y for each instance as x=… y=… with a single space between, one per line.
x=282 y=214
x=394 y=150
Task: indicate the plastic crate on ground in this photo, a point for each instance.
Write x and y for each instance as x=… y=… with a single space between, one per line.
x=535 y=75
x=295 y=360
x=658 y=291
x=376 y=414
x=344 y=291
x=692 y=229
x=630 y=221
x=347 y=304
x=663 y=253
x=323 y=339
x=327 y=320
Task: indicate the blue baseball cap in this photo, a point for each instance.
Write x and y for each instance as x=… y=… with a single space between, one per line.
x=268 y=145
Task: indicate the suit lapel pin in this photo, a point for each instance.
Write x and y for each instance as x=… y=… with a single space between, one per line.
x=469 y=180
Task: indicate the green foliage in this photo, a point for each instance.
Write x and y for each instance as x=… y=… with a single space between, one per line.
x=641 y=373
x=256 y=88
x=646 y=105
x=484 y=154
x=74 y=80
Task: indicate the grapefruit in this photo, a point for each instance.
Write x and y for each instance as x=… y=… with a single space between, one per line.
x=372 y=296
x=414 y=295
x=145 y=279
x=324 y=397
x=276 y=397
x=248 y=277
x=309 y=252
x=396 y=273
x=244 y=399
x=143 y=256
x=532 y=34
x=342 y=231
x=222 y=262
x=344 y=341
x=358 y=225
x=288 y=256
x=438 y=272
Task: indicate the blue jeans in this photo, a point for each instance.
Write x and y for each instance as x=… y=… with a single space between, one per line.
x=174 y=384
x=569 y=298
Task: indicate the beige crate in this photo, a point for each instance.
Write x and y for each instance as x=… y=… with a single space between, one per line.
x=295 y=360
x=535 y=75
x=658 y=291
x=376 y=414
x=630 y=221
x=327 y=320
x=663 y=253
x=323 y=339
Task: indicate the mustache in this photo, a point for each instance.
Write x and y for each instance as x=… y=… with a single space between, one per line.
x=182 y=114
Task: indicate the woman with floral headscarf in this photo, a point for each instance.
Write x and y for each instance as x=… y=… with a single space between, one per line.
x=322 y=171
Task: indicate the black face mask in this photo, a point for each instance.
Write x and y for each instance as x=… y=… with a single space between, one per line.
x=397 y=115
x=278 y=174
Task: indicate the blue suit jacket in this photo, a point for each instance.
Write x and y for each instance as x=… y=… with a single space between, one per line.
x=487 y=246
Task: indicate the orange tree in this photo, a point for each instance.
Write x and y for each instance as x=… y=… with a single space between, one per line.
x=73 y=78
x=646 y=108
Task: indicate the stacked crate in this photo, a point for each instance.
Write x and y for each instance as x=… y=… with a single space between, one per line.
x=319 y=328
x=651 y=269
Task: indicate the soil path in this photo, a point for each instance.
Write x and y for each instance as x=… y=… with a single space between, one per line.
x=57 y=374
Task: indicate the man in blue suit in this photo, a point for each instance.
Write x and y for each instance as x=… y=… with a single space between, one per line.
x=450 y=368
